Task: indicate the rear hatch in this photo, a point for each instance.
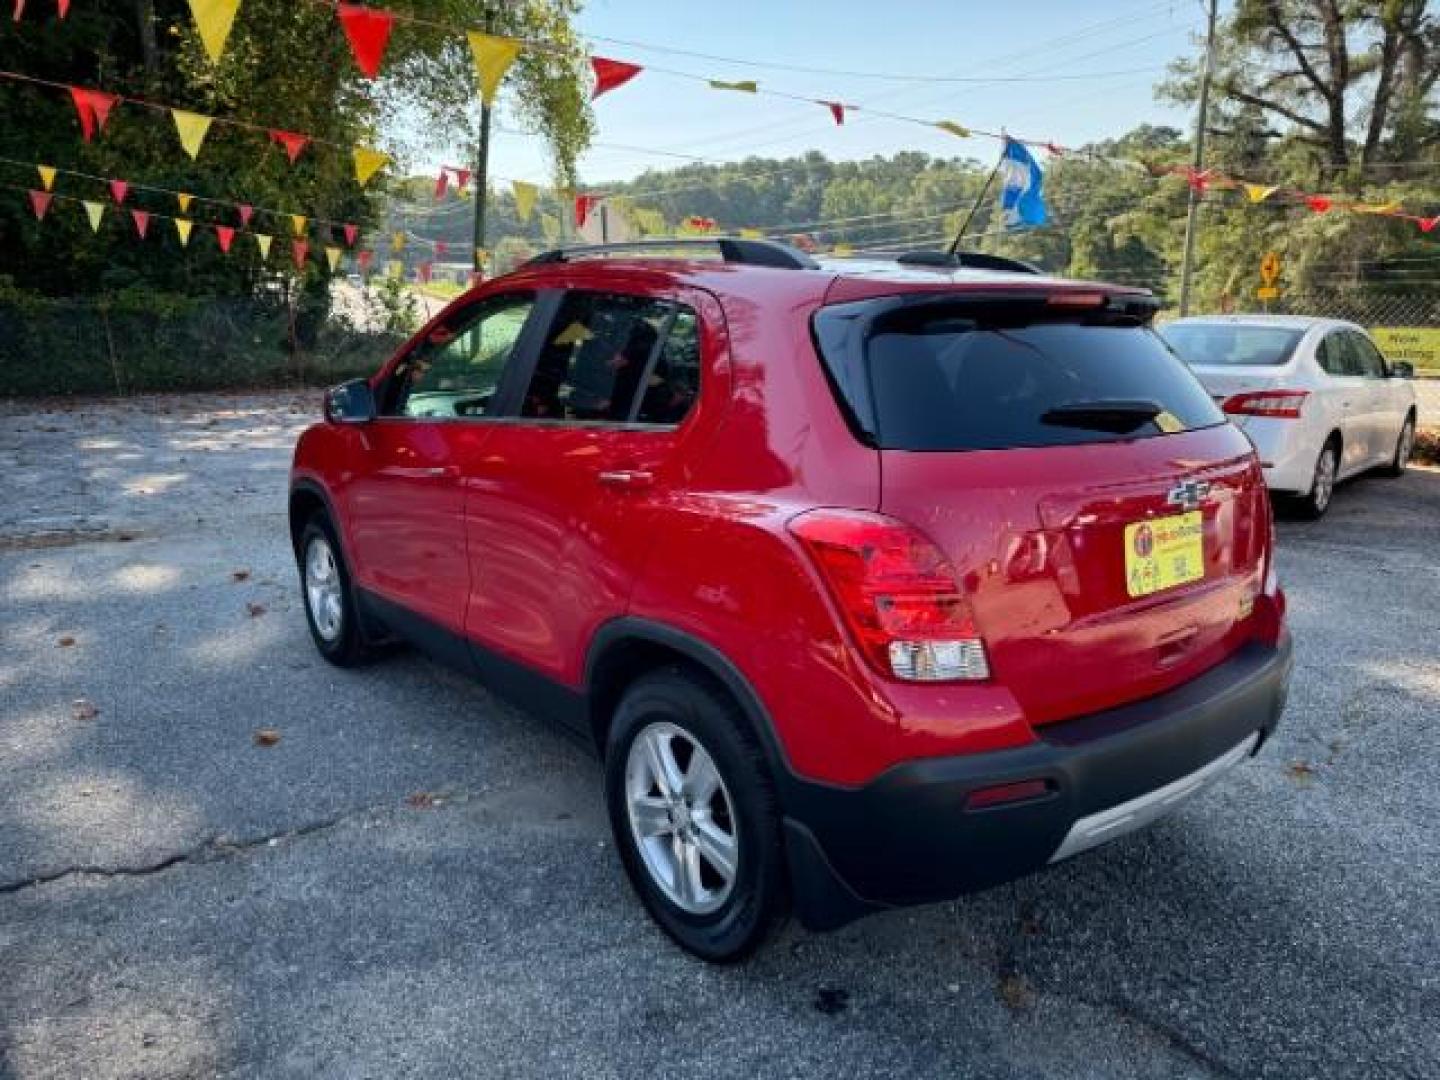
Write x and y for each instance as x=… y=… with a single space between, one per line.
x=1232 y=358
x=1106 y=524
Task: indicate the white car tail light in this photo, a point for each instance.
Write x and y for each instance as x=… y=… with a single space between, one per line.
x=1278 y=404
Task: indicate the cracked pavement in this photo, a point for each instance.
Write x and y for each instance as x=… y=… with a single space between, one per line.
x=416 y=880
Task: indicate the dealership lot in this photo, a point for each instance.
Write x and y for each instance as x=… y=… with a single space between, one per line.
x=416 y=880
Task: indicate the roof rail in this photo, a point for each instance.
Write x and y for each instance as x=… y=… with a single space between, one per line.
x=732 y=249
x=945 y=260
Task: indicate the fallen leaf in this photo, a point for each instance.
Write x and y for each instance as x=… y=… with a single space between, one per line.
x=266 y=736
x=1301 y=771
x=255 y=610
x=84 y=710
x=1014 y=992
x=65 y=642
x=240 y=575
x=420 y=800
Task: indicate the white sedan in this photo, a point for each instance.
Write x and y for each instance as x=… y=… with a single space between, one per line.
x=1316 y=397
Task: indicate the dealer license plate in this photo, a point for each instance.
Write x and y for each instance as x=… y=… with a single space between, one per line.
x=1164 y=552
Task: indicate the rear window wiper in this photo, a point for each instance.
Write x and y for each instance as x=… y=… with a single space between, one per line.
x=1117 y=416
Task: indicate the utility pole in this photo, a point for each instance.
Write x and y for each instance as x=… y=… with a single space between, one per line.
x=482 y=171
x=1193 y=213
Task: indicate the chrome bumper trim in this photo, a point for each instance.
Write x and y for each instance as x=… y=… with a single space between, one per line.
x=1098 y=828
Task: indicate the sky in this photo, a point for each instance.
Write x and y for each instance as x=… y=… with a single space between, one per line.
x=1110 y=54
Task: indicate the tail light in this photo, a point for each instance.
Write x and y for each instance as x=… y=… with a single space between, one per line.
x=897 y=594
x=1279 y=404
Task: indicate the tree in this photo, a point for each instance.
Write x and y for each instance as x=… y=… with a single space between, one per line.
x=286 y=66
x=1350 y=79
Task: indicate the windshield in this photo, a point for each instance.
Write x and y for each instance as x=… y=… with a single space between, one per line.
x=1231 y=344
x=935 y=378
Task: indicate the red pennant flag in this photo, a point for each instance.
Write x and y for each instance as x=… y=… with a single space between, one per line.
x=611 y=73
x=300 y=251
x=93 y=108
x=1426 y=224
x=425 y=269
x=292 y=141
x=118 y=190
x=226 y=235
x=246 y=211
x=583 y=205
x=837 y=110
x=1318 y=203
x=63 y=6
x=142 y=221
x=40 y=203
x=1197 y=179
x=351 y=233
x=440 y=248
x=462 y=177
x=368 y=31
x=442 y=183
x=19 y=10
x=364 y=259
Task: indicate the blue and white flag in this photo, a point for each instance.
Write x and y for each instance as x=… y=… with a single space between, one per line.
x=1022 y=190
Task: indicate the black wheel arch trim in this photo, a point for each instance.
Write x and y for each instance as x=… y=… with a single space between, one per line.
x=631 y=628
x=312 y=487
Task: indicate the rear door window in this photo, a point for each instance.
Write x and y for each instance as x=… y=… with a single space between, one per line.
x=1231 y=345
x=931 y=376
x=615 y=358
x=1372 y=364
x=1337 y=355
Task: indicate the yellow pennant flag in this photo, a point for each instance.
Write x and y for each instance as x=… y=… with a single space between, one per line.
x=298 y=223
x=524 y=198
x=842 y=250
x=214 y=18
x=368 y=162
x=192 y=129
x=263 y=242
x=650 y=222
x=184 y=201
x=1376 y=208
x=482 y=257
x=332 y=256
x=493 y=57
x=745 y=86
x=1259 y=192
x=183 y=227
x=96 y=212
x=550 y=227
x=397 y=242
x=396 y=269
x=958 y=130
x=47 y=176
x=753 y=234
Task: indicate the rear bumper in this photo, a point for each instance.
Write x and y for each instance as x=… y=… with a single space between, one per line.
x=1286 y=454
x=908 y=837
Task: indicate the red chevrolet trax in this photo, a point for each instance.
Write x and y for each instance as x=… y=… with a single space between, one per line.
x=870 y=583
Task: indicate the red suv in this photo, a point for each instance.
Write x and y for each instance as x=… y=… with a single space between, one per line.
x=870 y=583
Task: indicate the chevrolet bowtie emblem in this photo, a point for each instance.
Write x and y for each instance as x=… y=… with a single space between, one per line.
x=1188 y=494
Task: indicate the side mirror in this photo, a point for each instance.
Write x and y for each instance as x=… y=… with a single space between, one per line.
x=352 y=402
x=1402 y=370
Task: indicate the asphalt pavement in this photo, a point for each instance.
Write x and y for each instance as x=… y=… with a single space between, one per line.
x=404 y=877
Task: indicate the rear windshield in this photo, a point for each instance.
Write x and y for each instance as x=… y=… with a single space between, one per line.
x=1225 y=344
x=930 y=377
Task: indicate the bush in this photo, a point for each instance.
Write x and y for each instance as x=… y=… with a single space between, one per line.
x=138 y=340
x=1427 y=446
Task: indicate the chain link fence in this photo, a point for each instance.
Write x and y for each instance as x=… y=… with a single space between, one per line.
x=129 y=345
x=1367 y=309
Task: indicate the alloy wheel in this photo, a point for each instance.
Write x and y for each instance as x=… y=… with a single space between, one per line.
x=323 y=589
x=682 y=818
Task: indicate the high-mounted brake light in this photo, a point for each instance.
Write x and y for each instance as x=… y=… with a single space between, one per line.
x=1279 y=404
x=897 y=593
x=1077 y=300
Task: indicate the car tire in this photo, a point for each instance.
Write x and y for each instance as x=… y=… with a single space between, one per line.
x=1404 y=447
x=327 y=596
x=1313 y=504
x=688 y=790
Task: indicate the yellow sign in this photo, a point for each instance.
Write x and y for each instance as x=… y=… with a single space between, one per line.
x=1413 y=344
x=1164 y=552
x=1268 y=292
x=1270 y=268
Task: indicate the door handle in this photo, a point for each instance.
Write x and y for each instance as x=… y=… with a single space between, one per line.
x=626 y=478
x=432 y=472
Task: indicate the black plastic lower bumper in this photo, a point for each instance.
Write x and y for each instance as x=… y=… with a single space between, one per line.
x=908 y=837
